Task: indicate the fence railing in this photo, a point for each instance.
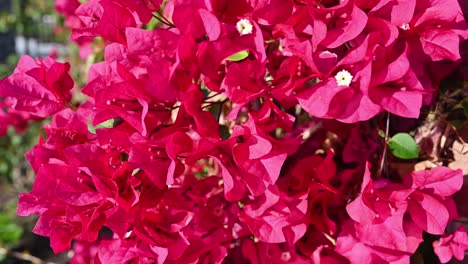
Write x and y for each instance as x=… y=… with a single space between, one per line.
x=41 y=40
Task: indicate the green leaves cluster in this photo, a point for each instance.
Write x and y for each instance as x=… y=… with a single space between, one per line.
x=10 y=232
x=13 y=146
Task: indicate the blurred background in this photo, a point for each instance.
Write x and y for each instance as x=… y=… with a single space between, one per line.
x=30 y=27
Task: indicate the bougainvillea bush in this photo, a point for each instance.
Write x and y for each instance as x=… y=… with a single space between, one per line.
x=242 y=131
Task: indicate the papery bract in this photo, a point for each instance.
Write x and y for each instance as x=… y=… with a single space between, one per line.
x=213 y=131
x=41 y=87
x=453 y=245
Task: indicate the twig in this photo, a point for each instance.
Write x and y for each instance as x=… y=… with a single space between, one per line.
x=23 y=256
x=211 y=96
x=210 y=104
x=71 y=106
x=382 y=169
x=163 y=20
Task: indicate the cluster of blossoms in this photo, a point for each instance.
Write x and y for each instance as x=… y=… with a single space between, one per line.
x=202 y=139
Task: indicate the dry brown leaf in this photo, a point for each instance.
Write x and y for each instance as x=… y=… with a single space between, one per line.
x=460 y=157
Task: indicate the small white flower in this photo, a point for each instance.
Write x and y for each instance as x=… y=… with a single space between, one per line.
x=344 y=78
x=405 y=27
x=244 y=27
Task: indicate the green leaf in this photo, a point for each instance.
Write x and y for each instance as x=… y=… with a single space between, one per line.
x=224 y=131
x=382 y=133
x=135 y=171
x=464 y=104
x=10 y=232
x=403 y=146
x=206 y=91
x=152 y=24
x=238 y=56
x=106 y=124
x=91 y=128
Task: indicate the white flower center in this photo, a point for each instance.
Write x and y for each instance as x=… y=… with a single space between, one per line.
x=405 y=27
x=244 y=27
x=285 y=256
x=343 y=78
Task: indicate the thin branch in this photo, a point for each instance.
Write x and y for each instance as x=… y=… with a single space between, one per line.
x=163 y=20
x=211 y=96
x=210 y=104
x=382 y=168
x=71 y=106
x=23 y=256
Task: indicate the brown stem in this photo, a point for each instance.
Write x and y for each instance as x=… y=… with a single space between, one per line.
x=23 y=256
x=164 y=20
x=382 y=169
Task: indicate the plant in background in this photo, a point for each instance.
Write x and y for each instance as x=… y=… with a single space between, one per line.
x=242 y=132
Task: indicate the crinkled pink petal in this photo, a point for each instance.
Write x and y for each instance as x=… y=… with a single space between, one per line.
x=453 y=245
x=440 y=180
x=428 y=213
x=398 y=102
x=440 y=44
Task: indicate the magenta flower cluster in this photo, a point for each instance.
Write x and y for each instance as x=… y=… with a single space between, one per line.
x=201 y=139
